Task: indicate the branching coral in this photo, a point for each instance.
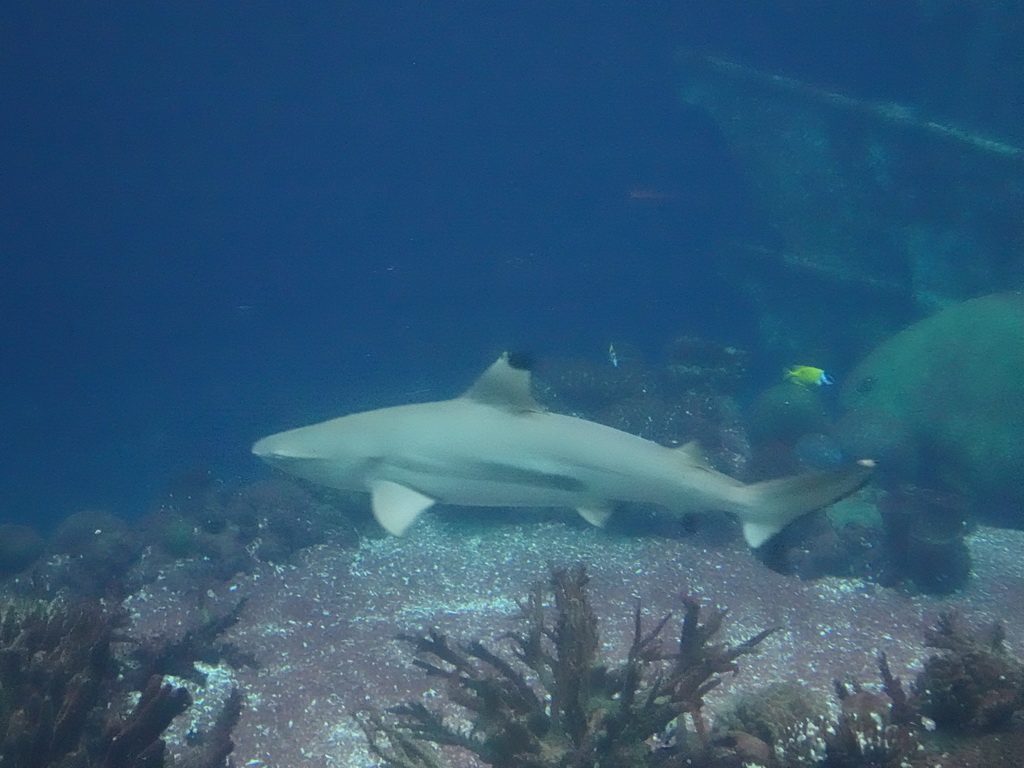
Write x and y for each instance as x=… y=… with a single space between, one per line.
x=59 y=679
x=557 y=703
x=62 y=695
x=873 y=729
x=554 y=702
x=974 y=685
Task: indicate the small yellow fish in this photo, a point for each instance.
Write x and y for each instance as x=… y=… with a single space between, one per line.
x=807 y=376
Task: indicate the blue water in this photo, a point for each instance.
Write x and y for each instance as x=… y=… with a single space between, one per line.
x=221 y=220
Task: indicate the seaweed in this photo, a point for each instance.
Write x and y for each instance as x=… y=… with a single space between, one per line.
x=556 y=702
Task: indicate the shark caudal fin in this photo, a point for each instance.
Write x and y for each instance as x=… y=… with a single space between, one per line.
x=769 y=506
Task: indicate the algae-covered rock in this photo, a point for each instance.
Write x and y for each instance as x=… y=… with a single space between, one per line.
x=785 y=413
x=943 y=400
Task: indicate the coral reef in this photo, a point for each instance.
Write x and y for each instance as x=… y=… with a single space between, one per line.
x=558 y=703
x=70 y=699
x=61 y=697
x=772 y=712
x=973 y=688
x=320 y=627
x=974 y=685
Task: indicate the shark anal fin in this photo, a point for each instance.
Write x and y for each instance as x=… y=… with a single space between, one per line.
x=596 y=515
x=395 y=506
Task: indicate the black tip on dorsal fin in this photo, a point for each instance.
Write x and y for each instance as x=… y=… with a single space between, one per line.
x=521 y=361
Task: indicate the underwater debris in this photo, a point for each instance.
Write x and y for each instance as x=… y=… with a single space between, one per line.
x=557 y=703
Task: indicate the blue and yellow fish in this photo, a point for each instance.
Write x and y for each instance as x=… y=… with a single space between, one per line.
x=807 y=376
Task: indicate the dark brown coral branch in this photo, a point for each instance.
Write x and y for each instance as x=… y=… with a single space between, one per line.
x=557 y=703
x=63 y=689
x=973 y=686
x=139 y=734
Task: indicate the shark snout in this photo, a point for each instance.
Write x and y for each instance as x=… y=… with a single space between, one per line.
x=273 y=449
x=263 y=448
x=285 y=447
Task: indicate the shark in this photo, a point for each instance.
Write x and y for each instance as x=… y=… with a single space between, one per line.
x=496 y=446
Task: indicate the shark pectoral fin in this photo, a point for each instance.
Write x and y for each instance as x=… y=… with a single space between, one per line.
x=395 y=506
x=595 y=515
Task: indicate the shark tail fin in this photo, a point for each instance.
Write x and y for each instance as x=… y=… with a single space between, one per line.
x=768 y=507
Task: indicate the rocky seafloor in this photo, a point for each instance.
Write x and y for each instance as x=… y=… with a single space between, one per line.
x=323 y=629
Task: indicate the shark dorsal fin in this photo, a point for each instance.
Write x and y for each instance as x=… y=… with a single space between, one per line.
x=692 y=456
x=504 y=385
